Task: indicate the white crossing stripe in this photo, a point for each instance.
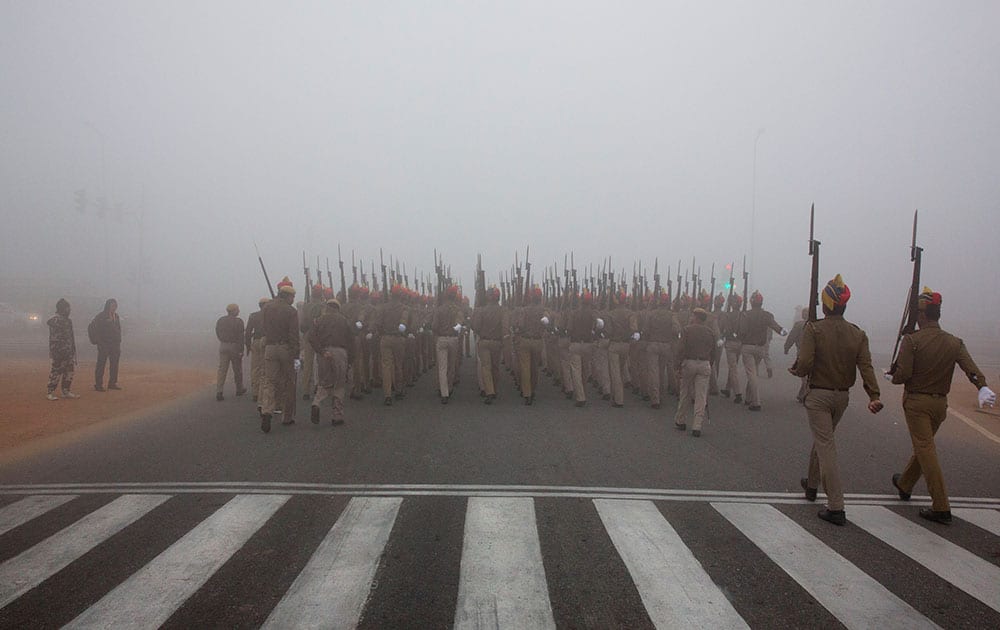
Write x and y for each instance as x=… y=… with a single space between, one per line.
x=151 y=595
x=331 y=590
x=675 y=589
x=985 y=519
x=29 y=569
x=855 y=598
x=28 y=508
x=502 y=579
x=963 y=569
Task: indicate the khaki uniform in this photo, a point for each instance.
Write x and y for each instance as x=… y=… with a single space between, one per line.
x=254 y=342
x=926 y=362
x=792 y=341
x=281 y=330
x=831 y=353
x=229 y=331
x=392 y=346
x=580 y=325
x=447 y=347
x=308 y=313
x=530 y=331
x=620 y=326
x=693 y=361
x=730 y=321
x=332 y=339
x=488 y=323
x=754 y=325
x=660 y=332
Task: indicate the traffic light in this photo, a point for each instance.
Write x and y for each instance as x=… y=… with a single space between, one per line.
x=729 y=285
x=729 y=266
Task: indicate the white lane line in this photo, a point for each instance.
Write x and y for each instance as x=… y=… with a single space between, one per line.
x=855 y=598
x=150 y=596
x=502 y=579
x=28 y=508
x=29 y=569
x=985 y=519
x=963 y=569
x=975 y=425
x=331 y=590
x=675 y=589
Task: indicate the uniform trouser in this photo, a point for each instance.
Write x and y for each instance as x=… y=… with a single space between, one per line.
x=489 y=351
x=579 y=353
x=256 y=367
x=767 y=356
x=230 y=354
x=617 y=357
x=375 y=354
x=673 y=377
x=278 y=389
x=602 y=365
x=447 y=349
x=529 y=355
x=109 y=355
x=331 y=381
x=924 y=415
x=803 y=389
x=562 y=343
x=410 y=360
x=752 y=356
x=632 y=367
x=308 y=361
x=694 y=392
x=62 y=370
x=359 y=367
x=391 y=350
x=657 y=360
x=825 y=408
x=732 y=360
x=713 y=379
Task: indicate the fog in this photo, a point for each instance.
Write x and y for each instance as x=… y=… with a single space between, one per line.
x=639 y=131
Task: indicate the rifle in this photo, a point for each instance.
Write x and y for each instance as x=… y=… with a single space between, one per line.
x=576 y=286
x=909 y=320
x=305 y=269
x=354 y=267
x=343 y=282
x=732 y=282
x=746 y=277
x=814 y=274
x=711 y=303
x=329 y=276
x=406 y=277
x=374 y=275
x=262 y=268
x=385 y=277
x=670 y=286
x=679 y=285
x=527 y=274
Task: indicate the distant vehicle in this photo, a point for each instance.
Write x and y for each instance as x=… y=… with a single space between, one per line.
x=12 y=318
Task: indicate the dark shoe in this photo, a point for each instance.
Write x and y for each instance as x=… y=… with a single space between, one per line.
x=655 y=406
x=580 y=403
x=810 y=492
x=837 y=517
x=305 y=396
x=399 y=395
x=356 y=396
x=314 y=414
x=605 y=396
x=738 y=398
x=444 y=400
x=265 y=422
x=337 y=421
x=903 y=494
x=114 y=386
x=645 y=398
x=635 y=391
x=770 y=373
x=218 y=396
x=724 y=392
x=617 y=405
x=696 y=433
x=388 y=401
x=937 y=517
x=482 y=393
x=488 y=400
x=240 y=392
x=680 y=427
x=287 y=421
x=568 y=395
x=527 y=400
x=98 y=388
x=754 y=407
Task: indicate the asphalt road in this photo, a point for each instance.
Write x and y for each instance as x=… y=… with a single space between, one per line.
x=504 y=515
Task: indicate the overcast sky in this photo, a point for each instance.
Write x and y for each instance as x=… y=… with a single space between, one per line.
x=622 y=129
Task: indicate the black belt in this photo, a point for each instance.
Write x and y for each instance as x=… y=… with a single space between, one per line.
x=929 y=394
x=488 y=339
x=831 y=389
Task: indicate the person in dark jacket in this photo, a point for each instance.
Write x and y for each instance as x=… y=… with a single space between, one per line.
x=62 y=351
x=229 y=330
x=109 y=345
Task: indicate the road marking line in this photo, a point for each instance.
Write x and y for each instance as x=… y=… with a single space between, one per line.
x=332 y=589
x=502 y=578
x=33 y=566
x=985 y=519
x=150 y=596
x=963 y=569
x=675 y=589
x=975 y=425
x=855 y=598
x=28 y=508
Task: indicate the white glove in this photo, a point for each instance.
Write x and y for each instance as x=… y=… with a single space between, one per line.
x=600 y=324
x=297 y=363
x=783 y=333
x=635 y=336
x=402 y=328
x=359 y=325
x=720 y=343
x=887 y=376
x=369 y=336
x=411 y=336
x=545 y=321
x=457 y=328
x=986 y=397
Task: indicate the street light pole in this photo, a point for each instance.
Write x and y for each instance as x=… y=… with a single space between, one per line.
x=753 y=202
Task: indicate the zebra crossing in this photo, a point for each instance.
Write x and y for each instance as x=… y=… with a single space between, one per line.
x=498 y=569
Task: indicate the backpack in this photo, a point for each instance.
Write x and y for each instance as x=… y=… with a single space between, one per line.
x=92 y=332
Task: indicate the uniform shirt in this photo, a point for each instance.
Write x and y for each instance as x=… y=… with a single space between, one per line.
x=621 y=323
x=311 y=311
x=390 y=315
x=62 y=343
x=753 y=327
x=580 y=324
x=487 y=321
x=229 y=329
x=352 y=310
x=528 y=320
x=730 y=324
x=660 y=326
x=444 y=318
x=255 y=327
x=831 y=353
x=332 y=329
x=927 y=361
x=794 y=335
x=281 y=324
x=697 y=343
